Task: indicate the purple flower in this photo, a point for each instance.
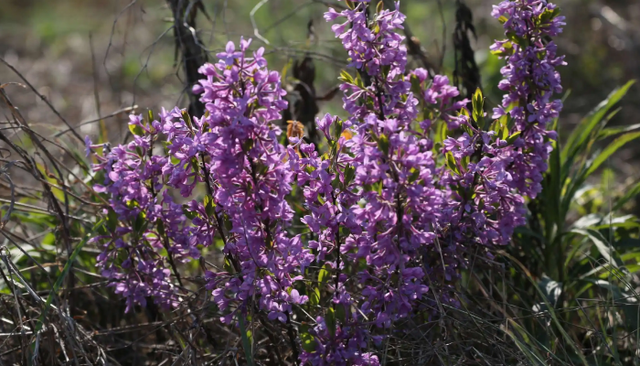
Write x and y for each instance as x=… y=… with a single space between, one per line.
x=87 y=145
x=382 y=220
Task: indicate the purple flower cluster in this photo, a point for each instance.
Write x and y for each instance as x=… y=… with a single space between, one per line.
x=232 y=150
x=385 y=210
x=530 y=80
x=413 y=219
x=250 y=175
x=154 y=232
x=412 y=180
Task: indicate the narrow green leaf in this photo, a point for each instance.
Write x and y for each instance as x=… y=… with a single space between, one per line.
x=584 y=129
x=630 y=193
x=379 y=7
x=112 y=220
x=442 y=129
x=346 y=77
x=609 y=150
x=602 y=244
x=337 y=132
x=330 y=320
x=246 y=343
x=478 y=108
x=314 y=296
x=611 y=131
x=150 y=116
x=187 y=119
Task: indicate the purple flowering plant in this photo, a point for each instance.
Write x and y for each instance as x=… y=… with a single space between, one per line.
x=332 y=248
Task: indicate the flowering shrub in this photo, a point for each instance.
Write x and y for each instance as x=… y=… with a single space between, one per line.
x=348 y=242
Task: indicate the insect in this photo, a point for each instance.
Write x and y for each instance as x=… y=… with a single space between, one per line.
x=295 y=129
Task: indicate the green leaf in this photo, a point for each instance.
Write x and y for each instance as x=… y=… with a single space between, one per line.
x=377 y=186
x=246 y=342
x=606 y=132
x=187 y=119
x=627 y=243
x=346 y=77
x=451 y=163
x=602 y=244
x=309 y=169
x=547 y=16
x=150 y=116
x=379 y=7
x=504 y=129
x=188 y=213
x=323 y=275
x=308 y=342
x=552 y=191
x=140 y=224
x=209 y=206
x=609 y=150
x=338 y=129
x=478 y=108
x=383 y=144
x=136 y=129
x=551 y=289
x=341 y=315
x=330 y=320
x=384 y=69
x=442 y=130
x=511 y=139
x=506 y=51
x=227 y=266
x=57 y=192
x=285 y=69
x=415 y=85
x=49 y=239
x=314 y=296
x=112 y=220
x=349 y=174
x=415 y=174
x=517 y=39
x=161 y=228
x=335 y=183
x=577 y=140
x=321 y=200
x=631 y=193
x=587 y=221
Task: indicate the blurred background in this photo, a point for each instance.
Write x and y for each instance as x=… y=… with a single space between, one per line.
x=94 y=58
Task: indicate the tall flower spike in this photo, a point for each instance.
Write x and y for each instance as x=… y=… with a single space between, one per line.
x=253 y=174
x=385 y=212
x=530 y=80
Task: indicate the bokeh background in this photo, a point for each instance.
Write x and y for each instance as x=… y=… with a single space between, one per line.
x=93 y=58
